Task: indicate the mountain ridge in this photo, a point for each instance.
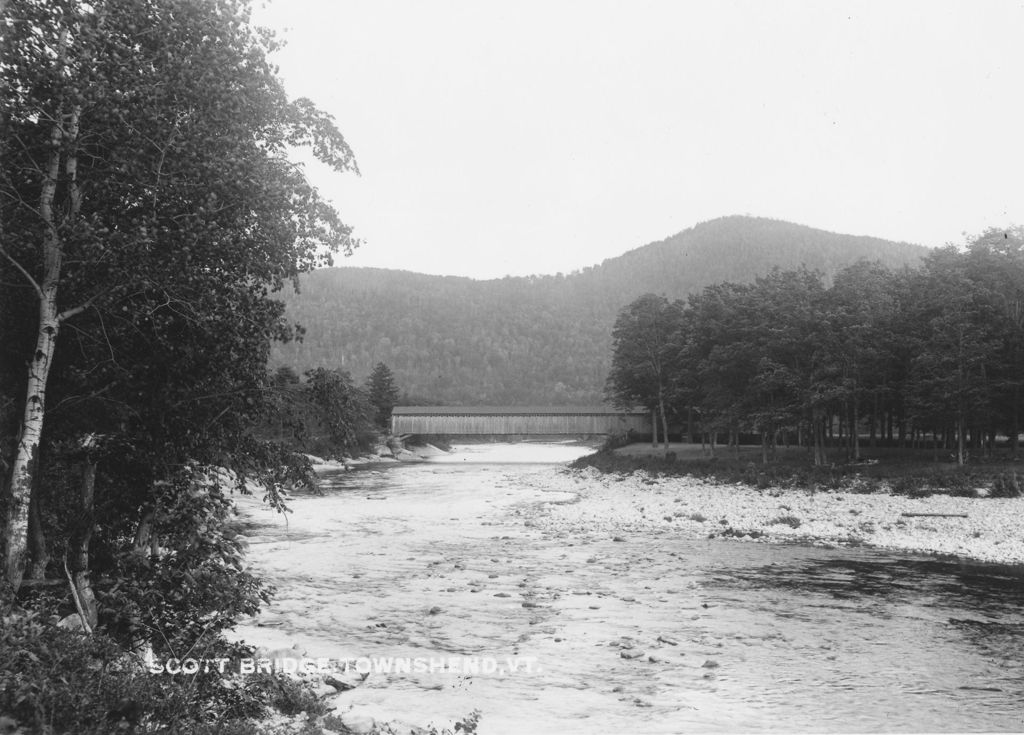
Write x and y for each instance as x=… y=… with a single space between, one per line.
x=541 y=339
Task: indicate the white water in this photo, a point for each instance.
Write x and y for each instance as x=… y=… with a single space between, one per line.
x=443 y=559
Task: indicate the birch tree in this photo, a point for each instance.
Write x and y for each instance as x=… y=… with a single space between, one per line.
x=147 y=203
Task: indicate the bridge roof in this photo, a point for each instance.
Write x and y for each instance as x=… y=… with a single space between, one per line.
x=510 y=411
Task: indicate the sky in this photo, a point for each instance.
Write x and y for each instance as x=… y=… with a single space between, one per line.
x=516 y=137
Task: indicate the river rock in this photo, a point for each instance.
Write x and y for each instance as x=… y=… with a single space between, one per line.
x=320 y=691
x=296 y=652
x=344 y=681
x=71 y=622
x=356 y=723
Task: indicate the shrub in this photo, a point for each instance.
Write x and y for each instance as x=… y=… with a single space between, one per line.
x=954 y=482
x=614 y=441
x=61 y=681
x=288 y=696
x=862 y=485
x=912 y=486
x=183 y=598
x=1006 y=485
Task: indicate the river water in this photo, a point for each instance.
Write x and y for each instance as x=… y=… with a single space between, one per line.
x=655 y=634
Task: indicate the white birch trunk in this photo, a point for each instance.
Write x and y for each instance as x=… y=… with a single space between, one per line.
x=16 y=523
x=24 y=465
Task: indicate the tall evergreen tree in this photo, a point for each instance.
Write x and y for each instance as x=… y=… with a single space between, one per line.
x=383 y=393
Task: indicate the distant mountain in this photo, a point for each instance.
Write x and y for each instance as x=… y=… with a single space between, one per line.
x=537 y=339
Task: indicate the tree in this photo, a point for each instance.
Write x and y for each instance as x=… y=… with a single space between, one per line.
x=994 y=262
x=789 y=315
x=856 y=343
x=939 y=348
x=341 y=407
x=966 y=329
x=721 y=358
x=754 y=349
x=147 y=205
x=642 y=346
x=383 y=394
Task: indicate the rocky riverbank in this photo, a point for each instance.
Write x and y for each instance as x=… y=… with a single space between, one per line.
x=383 y=453
x=977 y=529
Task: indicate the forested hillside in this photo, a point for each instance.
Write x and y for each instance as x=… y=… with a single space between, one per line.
x=539 y=339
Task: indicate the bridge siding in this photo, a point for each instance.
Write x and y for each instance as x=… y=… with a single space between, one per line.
x=519 y=424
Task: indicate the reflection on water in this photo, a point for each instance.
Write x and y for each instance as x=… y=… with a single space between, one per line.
x=657 y=634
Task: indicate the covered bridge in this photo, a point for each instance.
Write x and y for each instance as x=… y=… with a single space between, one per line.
x=510 y=420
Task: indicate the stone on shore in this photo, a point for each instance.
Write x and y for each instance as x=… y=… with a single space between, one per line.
x=983 y=529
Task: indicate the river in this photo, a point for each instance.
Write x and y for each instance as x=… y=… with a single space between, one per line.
x=592 y=633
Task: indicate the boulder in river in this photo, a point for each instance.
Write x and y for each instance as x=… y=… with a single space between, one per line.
x=356 y=723
x=345 y=681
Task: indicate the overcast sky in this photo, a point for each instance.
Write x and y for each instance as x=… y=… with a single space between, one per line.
x=513 y=137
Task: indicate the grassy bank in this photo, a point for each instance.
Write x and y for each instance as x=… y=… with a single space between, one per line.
x=898 y=471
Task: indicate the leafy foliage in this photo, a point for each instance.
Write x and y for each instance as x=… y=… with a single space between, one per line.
x=149 y=202
x=195 y=586
x=642 y=356
x=324 y=413
x=56 y=680
x=148 y=216
x=343 y=408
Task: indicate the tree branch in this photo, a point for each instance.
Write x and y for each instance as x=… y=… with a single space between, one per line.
x=28 y=277
x=77 y=599
x=76 y=310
